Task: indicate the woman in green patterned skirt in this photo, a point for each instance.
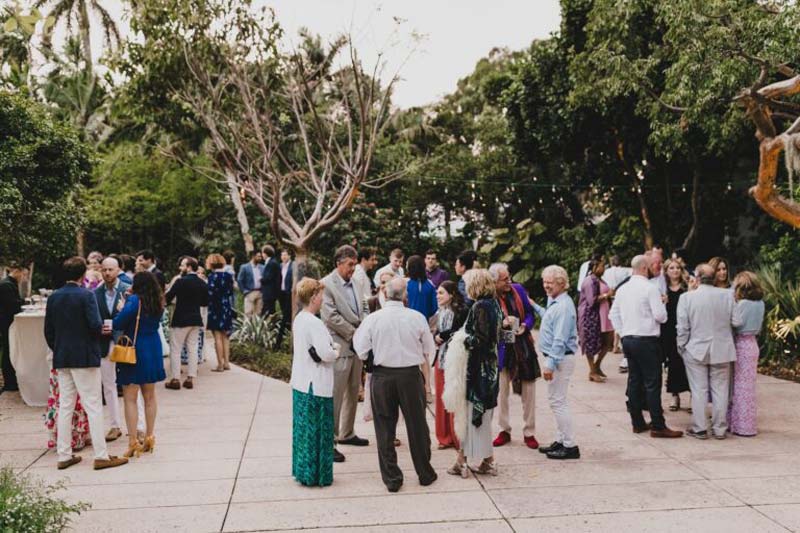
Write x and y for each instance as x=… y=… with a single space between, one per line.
x=312 y=390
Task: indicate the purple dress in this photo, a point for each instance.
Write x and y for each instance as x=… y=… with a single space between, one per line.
x=742 y=409
x=589 y=329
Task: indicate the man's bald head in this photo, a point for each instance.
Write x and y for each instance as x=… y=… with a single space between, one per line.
x=640 y=264
x=396 y=289
x=110 y=269
x=705 y=273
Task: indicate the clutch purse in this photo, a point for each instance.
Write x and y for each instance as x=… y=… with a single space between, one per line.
x=125 y=349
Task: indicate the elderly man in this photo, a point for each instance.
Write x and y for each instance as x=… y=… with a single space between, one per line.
x=637 y=314
x=516 y=360
x=342 y=314
x=705 y=341
x=400 y=341
x=558 y=340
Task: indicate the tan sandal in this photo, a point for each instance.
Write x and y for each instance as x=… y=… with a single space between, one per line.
x=134 y=450
x=459 y=469
x=149 y=444
x=486 y=468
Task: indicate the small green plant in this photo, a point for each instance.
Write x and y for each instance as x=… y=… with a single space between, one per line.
x=782 y=299
x=261 y=331
x=29 y=506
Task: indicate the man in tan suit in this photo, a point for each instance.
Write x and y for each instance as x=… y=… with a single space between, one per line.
x=342 y=313
x=705 y=325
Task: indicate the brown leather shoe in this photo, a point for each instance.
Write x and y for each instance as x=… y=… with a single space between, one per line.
x=642 y=429
x=173 y=384
x=75 y=459
x=113 y=434
x=665 y=433
x=111 y=462
x=187 y=383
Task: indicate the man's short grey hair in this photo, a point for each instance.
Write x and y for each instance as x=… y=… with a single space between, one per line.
x=558 y=273
x=639 y=262
x=496 y=268
x=345 y=252
x=396 y=289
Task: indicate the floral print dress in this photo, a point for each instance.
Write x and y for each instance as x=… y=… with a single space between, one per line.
x=80 y=422
x=220 y=294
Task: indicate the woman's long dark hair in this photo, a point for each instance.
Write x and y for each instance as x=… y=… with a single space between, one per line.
x=416 y=268
x=457 y=303
x=148 y=289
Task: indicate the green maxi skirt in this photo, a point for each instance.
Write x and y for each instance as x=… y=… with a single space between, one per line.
x=312 y=438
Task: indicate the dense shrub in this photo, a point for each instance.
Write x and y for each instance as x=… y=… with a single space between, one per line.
x=30 y=506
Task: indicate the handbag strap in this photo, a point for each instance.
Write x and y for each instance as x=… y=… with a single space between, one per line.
x=136 y=330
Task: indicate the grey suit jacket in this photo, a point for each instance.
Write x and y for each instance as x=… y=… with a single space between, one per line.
x=706 y=319
x=337 y=314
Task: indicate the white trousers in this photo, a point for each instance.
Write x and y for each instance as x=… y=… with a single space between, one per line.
x=528 y=405
x=88 y=383
x=557 y=395
x=178 y=338
x=703 y=377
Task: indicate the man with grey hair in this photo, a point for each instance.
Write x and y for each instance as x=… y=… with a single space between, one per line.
x=342 y=314
x=637 y=314
x=399 y=340
x=516 y=356
x=558 y=341
x=706 y=318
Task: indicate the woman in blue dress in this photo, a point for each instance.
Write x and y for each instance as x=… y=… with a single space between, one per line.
x=220 y=310
x=139 y=319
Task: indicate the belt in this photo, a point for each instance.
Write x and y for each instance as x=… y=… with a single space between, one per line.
x=565 y=353
x=642 y=337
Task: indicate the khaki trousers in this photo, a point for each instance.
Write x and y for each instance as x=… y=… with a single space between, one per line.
x=528 y=405
x=88 y=383
x=252 y=303
x=346 y=382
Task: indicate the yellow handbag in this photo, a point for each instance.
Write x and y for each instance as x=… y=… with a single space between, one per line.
x=125 y=349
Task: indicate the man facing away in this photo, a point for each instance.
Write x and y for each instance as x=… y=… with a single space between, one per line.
x=436 y=275
x=10 y=304
x=400 y=340
x=72 y=328
x=516 y=361
x=342 y=314
x=395 y=265
x=270 y=281
x=108 y=295
x=705 y=341
x=191 y=294
x=637 y=314
x=249 y=281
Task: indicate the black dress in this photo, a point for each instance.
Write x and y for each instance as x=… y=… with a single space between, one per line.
x=676 y=371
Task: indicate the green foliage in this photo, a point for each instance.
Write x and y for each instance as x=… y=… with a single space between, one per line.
x=43 y=164
x=782 y=321
x=275 y=364
x=30 y=506
x=256 y=330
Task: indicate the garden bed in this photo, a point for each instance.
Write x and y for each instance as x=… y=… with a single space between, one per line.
x=275 y=363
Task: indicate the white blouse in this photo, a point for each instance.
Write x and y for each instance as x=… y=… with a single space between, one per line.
x=308 y=331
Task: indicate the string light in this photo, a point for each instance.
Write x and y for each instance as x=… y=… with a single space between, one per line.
x=730 y=187
x=683 y=188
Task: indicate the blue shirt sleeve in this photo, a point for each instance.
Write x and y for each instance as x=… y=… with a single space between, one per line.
x=561 y=331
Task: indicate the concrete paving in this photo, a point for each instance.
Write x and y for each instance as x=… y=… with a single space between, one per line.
x=223 y=463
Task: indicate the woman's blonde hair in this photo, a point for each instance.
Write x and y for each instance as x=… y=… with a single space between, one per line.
x=307 y=288
x=215 y=261
x=684 y=274
x=747 y=286
x=480 y=283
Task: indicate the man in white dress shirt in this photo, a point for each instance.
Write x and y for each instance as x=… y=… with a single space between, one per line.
x=398 y=340
x=394 y=265
x=637 y=314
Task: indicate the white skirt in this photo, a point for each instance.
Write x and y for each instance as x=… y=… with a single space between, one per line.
x=477 y=444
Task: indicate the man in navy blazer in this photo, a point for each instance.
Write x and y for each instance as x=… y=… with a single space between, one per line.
x=285 y=298
x=108 y=295
x=72 y=329
x=249 y=281
x=270 y=281
x=191 y=293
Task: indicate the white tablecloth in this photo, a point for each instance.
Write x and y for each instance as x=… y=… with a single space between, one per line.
x=29 y=356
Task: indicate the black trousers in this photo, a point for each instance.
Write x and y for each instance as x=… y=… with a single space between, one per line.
x=402 y=388
x=9 y=374
x=285 y=302
x=644 y=379
x=267 y=306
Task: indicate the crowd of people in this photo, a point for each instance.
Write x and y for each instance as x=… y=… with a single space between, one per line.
x=398 y=322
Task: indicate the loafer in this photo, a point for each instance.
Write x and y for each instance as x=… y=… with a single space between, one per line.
x=111 y=462
x=430 y=481
x=355 y=441
x=113 y=434
x=394 y=487
x=531 y=442
x=502 y=438
x=702 y=435
x=338 y=457
x=173 y=384
x=565 y=453
x=553 y=447
x=188 y=383
x=720 y=437
x=666 y=433
x=641 y=429
x=75 y=459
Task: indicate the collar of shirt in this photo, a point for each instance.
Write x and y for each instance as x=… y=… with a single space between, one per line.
x=397 y=335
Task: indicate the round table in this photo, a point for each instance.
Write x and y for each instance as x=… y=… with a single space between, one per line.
x=30 y=357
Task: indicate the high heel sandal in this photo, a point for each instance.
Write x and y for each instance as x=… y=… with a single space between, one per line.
x=149 y=444
x=486 y=468
x=459 y=469
x=134 y=450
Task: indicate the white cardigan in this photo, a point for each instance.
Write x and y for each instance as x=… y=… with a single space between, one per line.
x=307 y=331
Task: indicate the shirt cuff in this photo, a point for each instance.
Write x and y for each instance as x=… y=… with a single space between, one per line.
x=550 y=363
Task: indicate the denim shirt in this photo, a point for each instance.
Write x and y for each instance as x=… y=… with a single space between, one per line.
x=558 y=334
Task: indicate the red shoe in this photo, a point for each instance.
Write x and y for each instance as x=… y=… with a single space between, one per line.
x=503 y=438
x=531 y=442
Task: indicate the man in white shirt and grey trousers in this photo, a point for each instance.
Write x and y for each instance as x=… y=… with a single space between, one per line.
x=400 y=341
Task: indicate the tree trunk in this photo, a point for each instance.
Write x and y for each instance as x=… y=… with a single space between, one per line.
x=241 y=214
x=299 y=271
x=29 y=284
x=765 y=193
x=647 y=224
x=691 y=237
x=80 y=242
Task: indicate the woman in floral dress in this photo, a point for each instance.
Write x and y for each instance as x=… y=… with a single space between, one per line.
x=80 y=422
x=220 y=310
x=593 y=308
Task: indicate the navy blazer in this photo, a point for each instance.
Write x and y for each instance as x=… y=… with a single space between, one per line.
x=192 y=294
x=288 y=278
x=247 y=276
x=271 y=280
x=108 y=314
x=72 y=327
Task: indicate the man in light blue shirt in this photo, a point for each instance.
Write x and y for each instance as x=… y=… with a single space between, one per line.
x=558 y=342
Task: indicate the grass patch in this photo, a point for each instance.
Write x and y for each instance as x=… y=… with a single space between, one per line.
x=29 y=506
x=276 y=363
